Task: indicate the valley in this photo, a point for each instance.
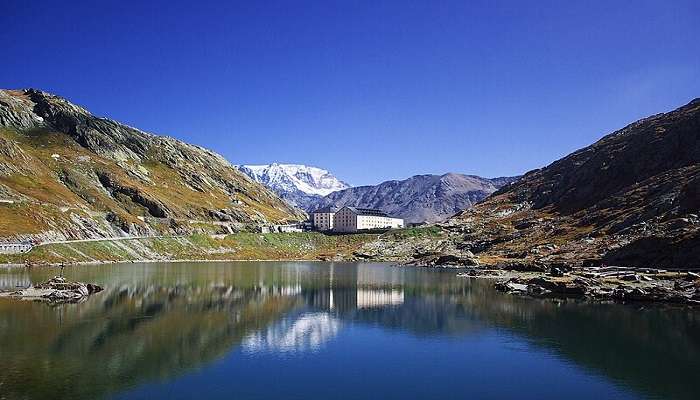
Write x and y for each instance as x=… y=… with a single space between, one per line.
x=349 y=200
x=83 y=189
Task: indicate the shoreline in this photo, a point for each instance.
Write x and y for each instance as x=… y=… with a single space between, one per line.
x=618 y=284
x=612 y=284
x=184 y=260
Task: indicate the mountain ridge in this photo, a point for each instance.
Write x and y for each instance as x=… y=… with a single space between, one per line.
x=631 y=198
x=297 y=184
x=65 y=173
x=420 y=198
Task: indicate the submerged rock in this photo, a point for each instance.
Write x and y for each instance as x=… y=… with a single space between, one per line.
x=55 y=290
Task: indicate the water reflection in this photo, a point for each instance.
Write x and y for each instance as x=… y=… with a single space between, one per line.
x=155 y=322
x=304 y=332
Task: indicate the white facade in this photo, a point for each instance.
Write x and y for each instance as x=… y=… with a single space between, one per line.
x=378 y=298
x=351 y=219
x=289 y=228
x=13 y=248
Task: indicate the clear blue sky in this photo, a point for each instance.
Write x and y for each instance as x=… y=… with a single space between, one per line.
x=371 y=90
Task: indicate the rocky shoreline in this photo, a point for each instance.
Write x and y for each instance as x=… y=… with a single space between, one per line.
x=55 y=290
x=611 y=283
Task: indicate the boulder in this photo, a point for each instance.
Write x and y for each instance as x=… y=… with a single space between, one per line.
x=56 y=290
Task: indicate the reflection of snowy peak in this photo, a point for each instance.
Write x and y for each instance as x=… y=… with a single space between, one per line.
x=298 y=184
x=305 y=333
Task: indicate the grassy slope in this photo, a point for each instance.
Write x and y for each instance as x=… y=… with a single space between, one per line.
x=240 y=246
x=38 y=178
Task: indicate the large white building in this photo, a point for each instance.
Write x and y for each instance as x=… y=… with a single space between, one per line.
x=353 y=219
x=322 y=218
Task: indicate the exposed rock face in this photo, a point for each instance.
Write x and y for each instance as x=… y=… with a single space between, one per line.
x=420 y=198
x=299 y=185
x=632 y=198
x=75 y=175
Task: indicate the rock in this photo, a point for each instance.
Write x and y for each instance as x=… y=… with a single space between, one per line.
x=561 y=288
x=479 y=273
x=556 y=271
x=511 y=286
x=630 y=278
x=541 y=287
x=692 y=276
x=640 y=288
x=536 y=290
x=682 y=285
x=523 y=267
x=637 y=294
x=56 y=290
x=451 y=259
x=446 y=259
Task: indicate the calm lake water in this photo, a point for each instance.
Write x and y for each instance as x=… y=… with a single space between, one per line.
x=261 y=330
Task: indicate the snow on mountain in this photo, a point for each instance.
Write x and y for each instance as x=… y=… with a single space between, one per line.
x=297 y=184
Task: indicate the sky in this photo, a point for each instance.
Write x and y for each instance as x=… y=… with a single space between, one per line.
x=370 y=90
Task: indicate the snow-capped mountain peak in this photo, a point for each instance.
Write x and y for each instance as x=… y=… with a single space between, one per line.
x=295 y=182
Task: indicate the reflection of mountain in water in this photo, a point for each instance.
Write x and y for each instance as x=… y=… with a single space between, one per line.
x=124 y=337
x=308 y=331
x=305 y=332
x=654 y=350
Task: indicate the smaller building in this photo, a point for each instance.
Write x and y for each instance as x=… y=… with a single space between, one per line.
x=14 y=248
x=322 y=219
x=289 y=228
x=353 y=219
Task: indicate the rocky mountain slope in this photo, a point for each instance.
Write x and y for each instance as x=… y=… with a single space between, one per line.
x=299 y=185
x=419 y=198
x=65 y=173
x=632 y=198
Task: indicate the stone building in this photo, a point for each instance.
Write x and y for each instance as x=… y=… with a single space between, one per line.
x=353 y=219
x=322 y=218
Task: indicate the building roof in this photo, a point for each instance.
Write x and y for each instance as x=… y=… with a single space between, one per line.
x=325 y=210
x=369 y=211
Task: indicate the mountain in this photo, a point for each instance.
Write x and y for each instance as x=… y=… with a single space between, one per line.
x=65 y=173
x=632 y=198
x=299 y=185
x=419 y=198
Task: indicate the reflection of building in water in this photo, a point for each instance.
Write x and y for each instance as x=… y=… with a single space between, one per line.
x=378 y=298
x=274 y=290
x=14 y=281
x=356 y=288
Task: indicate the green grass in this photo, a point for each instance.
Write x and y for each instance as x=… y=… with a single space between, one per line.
x=239 y=246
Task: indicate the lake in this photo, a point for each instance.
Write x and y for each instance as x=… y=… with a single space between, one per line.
x=303 y=330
